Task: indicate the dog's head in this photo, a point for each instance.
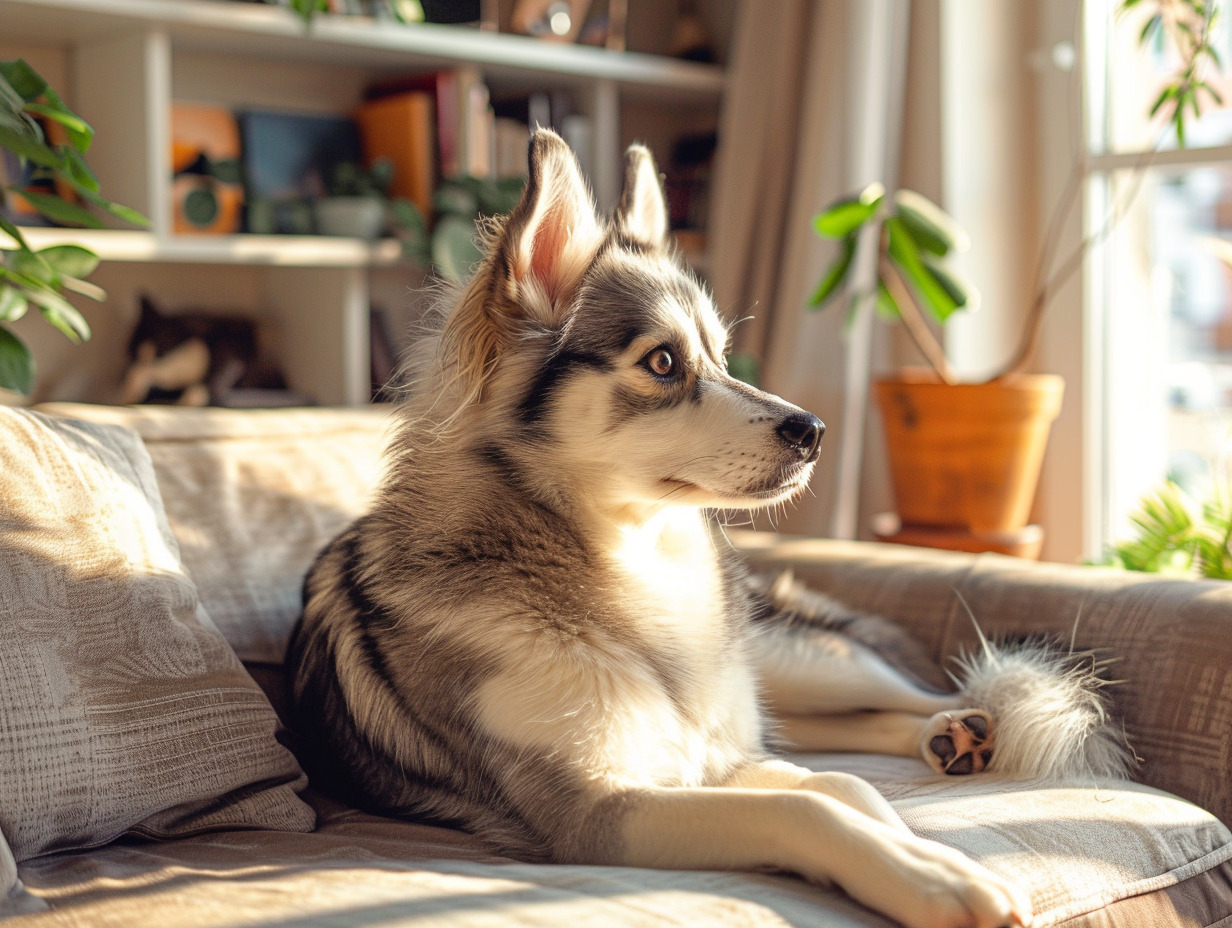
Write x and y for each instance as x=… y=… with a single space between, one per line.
x=587 y=353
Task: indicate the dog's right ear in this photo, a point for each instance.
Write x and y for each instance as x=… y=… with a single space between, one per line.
x=641 y=215
x=551 y=235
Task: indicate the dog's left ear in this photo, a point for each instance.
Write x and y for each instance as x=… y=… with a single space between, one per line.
x=641 y=215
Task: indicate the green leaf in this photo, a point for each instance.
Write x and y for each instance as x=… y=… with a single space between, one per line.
x=835 y=274
x=964 y=293
x=79 y=131
x=905 y=255
x=932 y=228
x=123 y=213
x=843 y=217
x=70 y=260
x=14 y=233
x=60 y=210
x=10 y=99
x=12 y=304
x=1152 y=26
x=30 y=147
x=84 y=287
x=79 y=173
x=36 y=271
x=61 y=314
x=24 y=80
x=16 y=363
x=1165 y=95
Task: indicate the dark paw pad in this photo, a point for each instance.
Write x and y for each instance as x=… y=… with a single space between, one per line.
x=965 y=747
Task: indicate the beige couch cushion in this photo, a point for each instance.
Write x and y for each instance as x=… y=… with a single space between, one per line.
x=122 y=707
x=1119 y=856
x=253 y=496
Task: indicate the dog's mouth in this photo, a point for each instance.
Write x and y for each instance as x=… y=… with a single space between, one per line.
x=784 y=483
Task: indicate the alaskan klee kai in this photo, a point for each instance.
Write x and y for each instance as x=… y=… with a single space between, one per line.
x=539 y=634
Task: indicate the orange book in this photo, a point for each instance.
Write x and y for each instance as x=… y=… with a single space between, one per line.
x=402 y=128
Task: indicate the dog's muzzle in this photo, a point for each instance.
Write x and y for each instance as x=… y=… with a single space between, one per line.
x=803 y=431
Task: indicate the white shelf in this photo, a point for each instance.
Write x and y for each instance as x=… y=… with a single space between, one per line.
x=121 y=64
x=270 y=250
x=272 y=32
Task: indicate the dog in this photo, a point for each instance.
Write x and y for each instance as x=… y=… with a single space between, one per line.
x=538 y=632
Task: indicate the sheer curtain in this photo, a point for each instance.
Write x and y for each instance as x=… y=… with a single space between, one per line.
x=808 y=80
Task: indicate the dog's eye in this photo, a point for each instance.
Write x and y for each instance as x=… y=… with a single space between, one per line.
x=661 y=363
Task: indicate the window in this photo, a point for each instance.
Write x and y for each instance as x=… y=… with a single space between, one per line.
x=1160 y=286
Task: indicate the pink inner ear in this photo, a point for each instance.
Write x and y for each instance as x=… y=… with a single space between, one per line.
x=547 y=245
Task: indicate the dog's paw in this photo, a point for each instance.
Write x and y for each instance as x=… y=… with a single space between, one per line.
x=958 y=742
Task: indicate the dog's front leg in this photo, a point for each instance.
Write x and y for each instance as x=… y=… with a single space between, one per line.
x=920 y=883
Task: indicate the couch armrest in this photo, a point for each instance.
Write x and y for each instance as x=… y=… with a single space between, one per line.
x=1170 y=640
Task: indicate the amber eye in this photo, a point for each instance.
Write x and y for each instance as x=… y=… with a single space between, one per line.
x=661 y=362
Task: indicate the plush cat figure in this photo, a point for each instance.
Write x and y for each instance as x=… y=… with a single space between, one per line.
x=188 y=359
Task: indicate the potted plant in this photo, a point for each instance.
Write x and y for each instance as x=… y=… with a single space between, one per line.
x=52 y=179
x=965 y=457
x=355 y=200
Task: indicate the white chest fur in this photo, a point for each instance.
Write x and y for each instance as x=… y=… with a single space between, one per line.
x=664 y=698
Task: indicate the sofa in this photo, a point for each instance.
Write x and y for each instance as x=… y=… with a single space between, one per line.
x=150 y=570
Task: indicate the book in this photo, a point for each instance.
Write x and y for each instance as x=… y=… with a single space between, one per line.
x=402 y=128
x=464 y=119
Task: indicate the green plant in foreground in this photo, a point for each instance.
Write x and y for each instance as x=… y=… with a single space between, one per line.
x=29 y=277
x=1174 y=534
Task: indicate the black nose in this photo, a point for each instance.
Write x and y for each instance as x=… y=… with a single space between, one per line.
x=803 y=431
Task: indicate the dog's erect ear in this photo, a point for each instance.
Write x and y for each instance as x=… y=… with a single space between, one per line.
x=553 y=233
x=641 y=215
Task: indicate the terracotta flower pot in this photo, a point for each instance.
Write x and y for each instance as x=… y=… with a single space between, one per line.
x=967 y=456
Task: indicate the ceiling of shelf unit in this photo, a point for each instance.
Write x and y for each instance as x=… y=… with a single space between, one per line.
x=269 y=32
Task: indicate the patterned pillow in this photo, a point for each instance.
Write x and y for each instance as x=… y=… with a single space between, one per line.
x=122 y=709
x=14 y=899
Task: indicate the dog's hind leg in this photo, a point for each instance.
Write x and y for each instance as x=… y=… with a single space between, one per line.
x=954 y=742
x=845 y=681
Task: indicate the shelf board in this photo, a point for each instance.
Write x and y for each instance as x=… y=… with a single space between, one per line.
x=268 y=250
x=272 y=32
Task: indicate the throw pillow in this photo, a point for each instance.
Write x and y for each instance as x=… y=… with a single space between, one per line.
x=122 y=709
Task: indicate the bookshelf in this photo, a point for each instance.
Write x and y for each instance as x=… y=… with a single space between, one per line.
x=121 y=64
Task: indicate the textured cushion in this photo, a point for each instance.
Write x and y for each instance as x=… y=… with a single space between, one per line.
x=121 y=707
x=253 y=496
x=14 y=900
x=1121 y=856
x=1078 y=847
x=1169 y=641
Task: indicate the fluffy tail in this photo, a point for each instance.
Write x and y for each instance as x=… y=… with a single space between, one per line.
x=1052 y=718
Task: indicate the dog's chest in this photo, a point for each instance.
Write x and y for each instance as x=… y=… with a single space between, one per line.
x=659 y=690
x=673 y=590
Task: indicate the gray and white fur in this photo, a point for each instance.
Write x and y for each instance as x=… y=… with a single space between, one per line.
x=539 y=634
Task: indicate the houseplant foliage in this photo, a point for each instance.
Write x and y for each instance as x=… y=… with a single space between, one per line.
x=1175 y=534
x=914 y=237
x=964 y=458
x=967 y=455
x=39 y=278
